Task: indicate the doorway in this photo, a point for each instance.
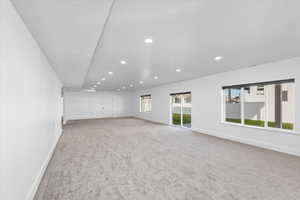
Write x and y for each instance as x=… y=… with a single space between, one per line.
x=181 y=109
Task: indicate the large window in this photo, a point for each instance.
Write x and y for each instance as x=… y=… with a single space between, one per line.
x=145 y=103
x=267 y=104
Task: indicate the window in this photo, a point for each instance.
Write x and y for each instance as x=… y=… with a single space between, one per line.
x=145 y=103
x=260 y=90
x=268 y=104
x=247 y=89
x=285 y=95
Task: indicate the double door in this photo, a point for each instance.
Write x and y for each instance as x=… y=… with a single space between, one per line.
x=181 y=109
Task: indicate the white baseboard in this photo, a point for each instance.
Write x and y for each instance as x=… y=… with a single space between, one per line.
x=97 y=117
x=240 y=140
x=38 y=179
x=250 y=142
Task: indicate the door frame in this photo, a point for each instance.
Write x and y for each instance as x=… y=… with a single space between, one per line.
x=181 y=109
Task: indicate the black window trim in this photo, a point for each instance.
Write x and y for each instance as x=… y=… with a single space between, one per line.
x=259 y=83
x=180 y=93
x=146 y=95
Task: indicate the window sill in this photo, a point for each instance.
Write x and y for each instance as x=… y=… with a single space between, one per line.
x=263 y=128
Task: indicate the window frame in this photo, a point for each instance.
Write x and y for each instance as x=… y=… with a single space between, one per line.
x=242 y=96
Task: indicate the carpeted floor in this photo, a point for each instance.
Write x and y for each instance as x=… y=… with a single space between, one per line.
x=130 y=159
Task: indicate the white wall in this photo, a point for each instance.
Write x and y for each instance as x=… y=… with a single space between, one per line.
x=87 y=105
x=2 y=107
x=30 y=94
x=206 y=104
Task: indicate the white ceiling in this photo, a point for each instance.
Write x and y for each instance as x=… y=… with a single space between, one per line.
x=187 y=34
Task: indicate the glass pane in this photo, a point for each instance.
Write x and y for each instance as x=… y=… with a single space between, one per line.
x=254 y=106
x=287 y=106
x=281 y=106
x=233 y=105
x=176 y=110
x=186 y=110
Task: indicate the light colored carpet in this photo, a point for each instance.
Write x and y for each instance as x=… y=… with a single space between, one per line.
x=130 y=159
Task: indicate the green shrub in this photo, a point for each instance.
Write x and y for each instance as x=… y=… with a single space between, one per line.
x=233 y=120
x=176 y=119
x=271 y=124
x=285 y=125
x=288 y=126
x=186 y=119
x=254 y=122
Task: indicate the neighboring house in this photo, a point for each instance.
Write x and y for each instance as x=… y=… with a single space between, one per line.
x=261 y=99
x=255 y=106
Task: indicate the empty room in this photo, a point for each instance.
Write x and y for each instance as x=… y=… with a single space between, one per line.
x=149 y=100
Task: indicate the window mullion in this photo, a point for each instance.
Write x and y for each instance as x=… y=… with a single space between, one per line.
x=266 y=116
x=242 y=106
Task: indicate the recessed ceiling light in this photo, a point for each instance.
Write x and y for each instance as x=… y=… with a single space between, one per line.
x=95 y=86
x=118 y=89
x=98 y=83
x=131 y=85
x=110 y=73
x=103 y=79
x=124 y=87
x=218 y=58
x=155 y=77
x=123 y=62
x=148 y=41
x=178 y=70
x=141 y=82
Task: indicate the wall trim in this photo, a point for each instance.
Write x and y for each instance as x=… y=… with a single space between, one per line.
x=151 y=121
x=34 y=188
x=95 y=118
x=255 y=143
x=241 y=140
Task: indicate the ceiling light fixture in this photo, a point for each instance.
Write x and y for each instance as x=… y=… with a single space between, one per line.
x=218 y=58
x=110 y=73
x=141 y=82
x=131 y=85
x=123 y=62
x=103 y=79
x=148 y=41
x=178 y=70
x=118 y=89
x=98 y=83
x=124 y=87
x=155 y=77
